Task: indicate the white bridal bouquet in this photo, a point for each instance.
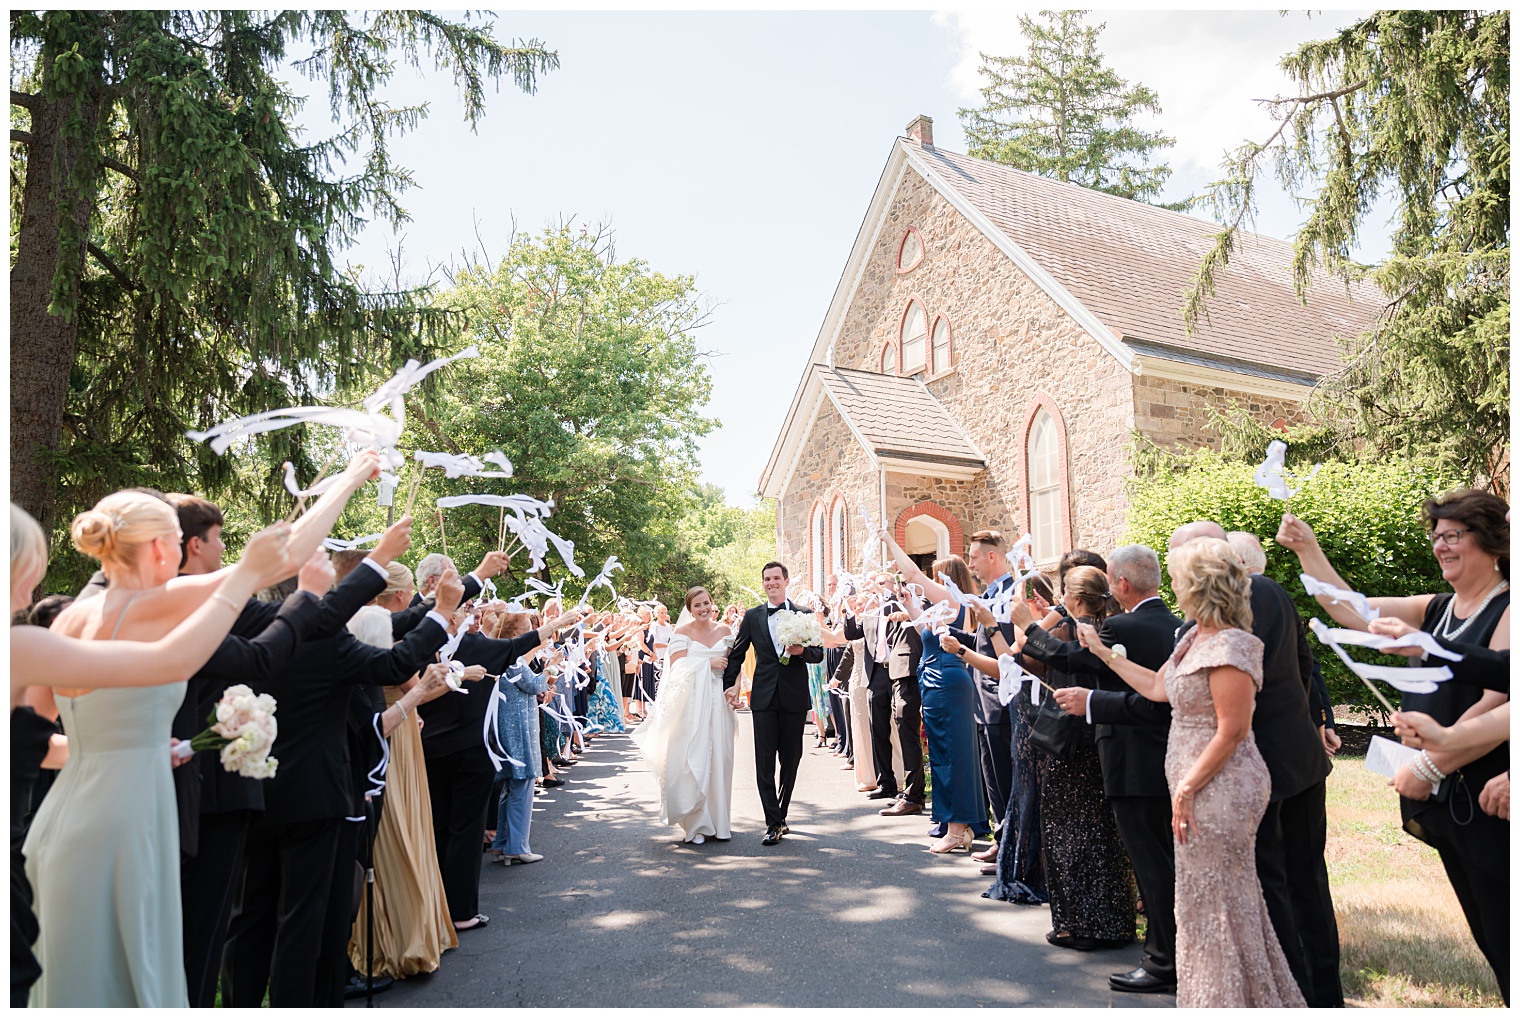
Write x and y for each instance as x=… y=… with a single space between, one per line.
x=797 y=629
x=243 y=729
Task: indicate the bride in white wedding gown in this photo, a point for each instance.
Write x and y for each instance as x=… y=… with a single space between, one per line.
x=689 y=737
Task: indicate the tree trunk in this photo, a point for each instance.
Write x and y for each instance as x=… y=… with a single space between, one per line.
x=42 y=343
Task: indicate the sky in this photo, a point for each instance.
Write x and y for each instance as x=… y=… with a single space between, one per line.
x=743 y=149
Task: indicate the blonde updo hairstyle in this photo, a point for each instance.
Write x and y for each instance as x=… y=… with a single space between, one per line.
x=397 y=578
x=1211 y=583
x=122 y=523
x=29 y=554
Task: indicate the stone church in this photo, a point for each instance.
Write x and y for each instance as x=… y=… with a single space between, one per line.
x=996 y=341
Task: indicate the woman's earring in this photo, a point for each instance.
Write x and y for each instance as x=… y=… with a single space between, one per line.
x=1496 y=565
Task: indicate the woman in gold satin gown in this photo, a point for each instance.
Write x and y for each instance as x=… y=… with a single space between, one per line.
x=412 y=924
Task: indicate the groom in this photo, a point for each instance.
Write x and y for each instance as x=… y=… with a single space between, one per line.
x=778 y=701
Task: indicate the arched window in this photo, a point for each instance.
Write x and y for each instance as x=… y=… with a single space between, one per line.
x=820 y=548
x=1044 y=466
x=910 y=250
x=940 y=345
x=838 y=535
x=915 y=335
x=889 y=358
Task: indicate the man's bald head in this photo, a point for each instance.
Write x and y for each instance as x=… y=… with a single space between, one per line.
x=1193 y=531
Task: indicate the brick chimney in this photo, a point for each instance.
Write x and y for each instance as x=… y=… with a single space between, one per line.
x=921 y=130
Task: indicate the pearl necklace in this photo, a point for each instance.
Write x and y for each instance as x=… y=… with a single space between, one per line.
x=1443 y=627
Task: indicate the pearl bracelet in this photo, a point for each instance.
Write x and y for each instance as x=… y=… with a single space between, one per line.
x=401 y=707
x=1427 y=768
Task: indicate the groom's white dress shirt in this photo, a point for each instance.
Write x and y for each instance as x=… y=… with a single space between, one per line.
x=771 y=623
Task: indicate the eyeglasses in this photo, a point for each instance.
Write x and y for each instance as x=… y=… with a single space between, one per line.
x=1450 y=538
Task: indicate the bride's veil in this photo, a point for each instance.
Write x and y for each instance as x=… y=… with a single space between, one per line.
x=684 y=617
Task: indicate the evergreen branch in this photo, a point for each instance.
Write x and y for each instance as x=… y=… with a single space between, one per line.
x=120 y=167
x=26 y=99
x=22 y=137
x=110 y=266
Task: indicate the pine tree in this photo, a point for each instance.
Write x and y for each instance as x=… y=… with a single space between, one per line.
x=174 y=237
x=1414 y=104
x=1059 y=112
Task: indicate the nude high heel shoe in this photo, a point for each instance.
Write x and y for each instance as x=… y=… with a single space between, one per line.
x=953 y=843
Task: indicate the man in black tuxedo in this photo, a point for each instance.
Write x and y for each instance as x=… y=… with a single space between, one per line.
x=778 y=701
x=277 y=922
x=1131 y=736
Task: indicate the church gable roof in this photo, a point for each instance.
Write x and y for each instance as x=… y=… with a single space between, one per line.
x=1132 y=265
x=897 y=417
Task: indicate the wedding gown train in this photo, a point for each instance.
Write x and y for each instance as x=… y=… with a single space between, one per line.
x=689 y=742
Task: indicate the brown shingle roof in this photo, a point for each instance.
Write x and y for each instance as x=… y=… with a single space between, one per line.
x=1131 y=264
x=897 y=416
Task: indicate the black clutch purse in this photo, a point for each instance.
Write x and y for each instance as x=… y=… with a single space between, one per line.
x=1057 y=733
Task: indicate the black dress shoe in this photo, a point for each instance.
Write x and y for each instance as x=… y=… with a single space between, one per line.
x=356 y=988
x=785 y=829
x=772 y=835
x=1141 y=981
x=1073 y=942
x=882 y=793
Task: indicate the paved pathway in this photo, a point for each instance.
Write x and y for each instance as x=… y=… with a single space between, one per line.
x=849 y=910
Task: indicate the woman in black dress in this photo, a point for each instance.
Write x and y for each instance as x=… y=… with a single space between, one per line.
x=1469 y=533
x=1092 y=890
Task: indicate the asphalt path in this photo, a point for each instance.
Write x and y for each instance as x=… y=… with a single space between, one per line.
x=850 y=910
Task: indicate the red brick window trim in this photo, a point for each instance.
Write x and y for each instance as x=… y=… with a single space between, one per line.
x=889 y=358
x=941 y=353
x=910 y=250
x=938 y=512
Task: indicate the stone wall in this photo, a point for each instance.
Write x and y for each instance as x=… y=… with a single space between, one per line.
x=958 y=497
x=1175 y=414
x=1008 y=339
x=832 y=465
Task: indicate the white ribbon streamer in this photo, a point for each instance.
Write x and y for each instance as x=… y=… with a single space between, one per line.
x=316 y=489
x=1409 y=680
x=1012 y=677
x=1339 y=595
x=1417 y=638
x=1269 y=473
x=602 y=579
x=462 y=464
x=338 y=544
x=377 y=773
x=488 y=733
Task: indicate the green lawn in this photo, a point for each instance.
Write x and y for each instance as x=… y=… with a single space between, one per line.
x=1404 y=942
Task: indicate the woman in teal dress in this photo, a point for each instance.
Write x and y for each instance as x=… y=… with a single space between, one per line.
x=818 y=690
x=606 y=714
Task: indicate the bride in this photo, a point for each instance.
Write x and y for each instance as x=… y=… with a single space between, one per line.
x=689 y=737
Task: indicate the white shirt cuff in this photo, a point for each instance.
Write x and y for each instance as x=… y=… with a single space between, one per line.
x=443 y=623
x=1089 y=706
x=377 y=567
x=477 y=579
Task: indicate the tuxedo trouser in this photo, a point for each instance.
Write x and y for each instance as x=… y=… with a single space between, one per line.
x=839 y=711
x=880 y=691
x=207 y=881
x=1302 y=818
x=908 y=715
x=459 y=787
x=1272 y=872
x=338 y=923
x=276 y=931
x=778 y=736
x=1145 y=828
x=997 y=764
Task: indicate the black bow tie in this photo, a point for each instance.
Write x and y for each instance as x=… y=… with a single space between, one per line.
x=769 y=611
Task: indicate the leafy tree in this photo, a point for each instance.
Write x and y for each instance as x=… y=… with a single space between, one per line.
x=1415 y=104
x=1059 y=112
x=174 y=245
x=1366 y=515
x=590 y=380
x=731 y=544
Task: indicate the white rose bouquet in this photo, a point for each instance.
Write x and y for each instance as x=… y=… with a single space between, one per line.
x=797 y=629
x=243 y=729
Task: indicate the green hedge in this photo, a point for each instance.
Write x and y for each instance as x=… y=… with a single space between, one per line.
x=1366 y=515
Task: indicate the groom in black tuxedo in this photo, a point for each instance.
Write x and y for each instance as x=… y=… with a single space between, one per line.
x=778 y=701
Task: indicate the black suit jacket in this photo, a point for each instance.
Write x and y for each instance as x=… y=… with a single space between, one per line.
x=1131 y=731
x=777 y=686
x=896 y=654
x=261 y=642
x=455 y=721
x=313 y=781
x=405 y=620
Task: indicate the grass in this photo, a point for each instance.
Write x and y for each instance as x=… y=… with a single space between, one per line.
x=1404 y=942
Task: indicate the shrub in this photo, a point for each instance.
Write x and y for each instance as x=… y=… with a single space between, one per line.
x=1366 y=515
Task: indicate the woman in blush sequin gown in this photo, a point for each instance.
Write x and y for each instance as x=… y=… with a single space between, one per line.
x=1227 y=952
